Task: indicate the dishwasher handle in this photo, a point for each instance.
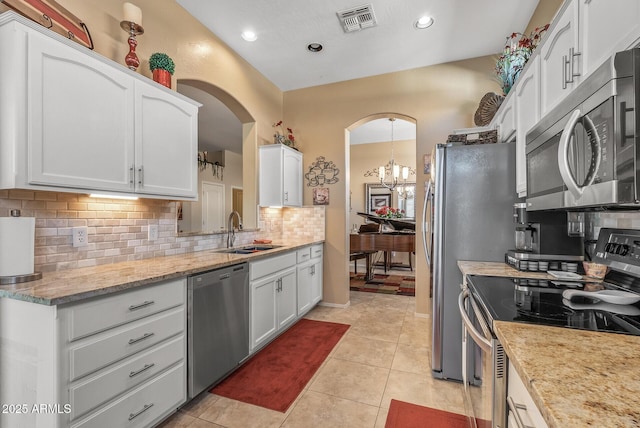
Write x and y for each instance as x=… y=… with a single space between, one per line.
x=477 y=337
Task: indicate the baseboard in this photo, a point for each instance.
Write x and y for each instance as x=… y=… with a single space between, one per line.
x=421 y=315
x=335 y=305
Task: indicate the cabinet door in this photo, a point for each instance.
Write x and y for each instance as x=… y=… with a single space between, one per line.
x=527 y=99
x=263 y=310
x=287 y=301
x=507 y=120
x=316 y=282
x=166 y=143
x=292 y=163
x=80 y=115
x=607 y=27
x=305 y=284
x=556 y=60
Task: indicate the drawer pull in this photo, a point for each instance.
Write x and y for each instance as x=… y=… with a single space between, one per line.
x=144 y=369
x=141 y=338
x=516 y=409
x=141 y=305
x=146 y=407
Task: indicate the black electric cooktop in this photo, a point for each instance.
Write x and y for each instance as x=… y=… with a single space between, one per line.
x=541 y=302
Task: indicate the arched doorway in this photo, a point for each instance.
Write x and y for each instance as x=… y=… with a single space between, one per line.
x=371 y=143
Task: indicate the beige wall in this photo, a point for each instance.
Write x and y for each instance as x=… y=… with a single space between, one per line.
x=438 y=98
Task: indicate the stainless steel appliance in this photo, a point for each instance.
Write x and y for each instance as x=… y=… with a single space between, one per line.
x=474 y=192
x=547 y=302
x=543 y=241
x=585 y=152
x=217 y=325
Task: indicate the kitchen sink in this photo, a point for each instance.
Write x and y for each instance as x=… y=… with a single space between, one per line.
x=249 y=249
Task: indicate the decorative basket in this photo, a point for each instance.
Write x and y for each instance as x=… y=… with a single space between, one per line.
x=484 y=137
x=489 y=105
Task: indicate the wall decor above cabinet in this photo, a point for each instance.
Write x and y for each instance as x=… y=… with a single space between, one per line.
x=131 y=136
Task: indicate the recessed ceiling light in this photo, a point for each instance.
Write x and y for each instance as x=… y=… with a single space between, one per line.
x=249 y=36
x=314 y=47
x=424 y=22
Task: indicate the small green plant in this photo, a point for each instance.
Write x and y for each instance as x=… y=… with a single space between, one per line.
x=161 y=61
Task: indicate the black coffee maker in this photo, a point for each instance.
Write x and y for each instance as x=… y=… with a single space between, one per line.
x=545 y=240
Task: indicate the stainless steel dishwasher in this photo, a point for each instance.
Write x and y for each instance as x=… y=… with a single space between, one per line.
x=218 y=325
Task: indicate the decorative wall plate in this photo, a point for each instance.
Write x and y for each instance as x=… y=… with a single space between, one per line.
x=489 y=105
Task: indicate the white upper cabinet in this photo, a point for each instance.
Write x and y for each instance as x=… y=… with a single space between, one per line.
x=527 y=100
x=75 y=121
x=560 y=62
x=506 y=121
x=280 y=173
x=606 y=27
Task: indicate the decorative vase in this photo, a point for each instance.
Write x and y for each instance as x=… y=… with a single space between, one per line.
x=163 y=77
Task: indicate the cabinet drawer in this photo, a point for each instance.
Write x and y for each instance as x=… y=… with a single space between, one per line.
x=145 y=405
x=101 y=350
x=264 y=267
x=316 y=251
x=303 y=255
x=87 y=395
x=106 y=312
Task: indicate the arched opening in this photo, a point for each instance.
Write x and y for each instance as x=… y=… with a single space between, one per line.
x=378 y=263
x=227 y=134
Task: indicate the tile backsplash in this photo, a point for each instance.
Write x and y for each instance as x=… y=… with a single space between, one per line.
x=118 y=229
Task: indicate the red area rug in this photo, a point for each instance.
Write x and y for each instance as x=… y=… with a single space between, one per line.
x=381 y=283
x=407 y=415
x=276 y=375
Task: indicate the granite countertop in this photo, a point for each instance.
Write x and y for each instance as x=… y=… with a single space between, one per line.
x=71 y=285
x=576 y=378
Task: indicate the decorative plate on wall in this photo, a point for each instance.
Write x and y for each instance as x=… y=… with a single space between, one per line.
x=489 y=105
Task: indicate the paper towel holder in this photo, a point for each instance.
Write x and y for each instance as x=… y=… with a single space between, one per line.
x=18 y=279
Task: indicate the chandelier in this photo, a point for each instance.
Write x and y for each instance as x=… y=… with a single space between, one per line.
x=392 y=167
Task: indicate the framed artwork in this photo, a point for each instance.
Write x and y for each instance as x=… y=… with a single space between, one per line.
x=427 y=163
x=321 y=196
x=378 y=201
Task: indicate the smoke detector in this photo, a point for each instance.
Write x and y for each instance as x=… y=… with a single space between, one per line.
x=357 y=18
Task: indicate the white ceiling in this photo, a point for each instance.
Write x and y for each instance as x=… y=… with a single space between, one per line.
x=463 y=29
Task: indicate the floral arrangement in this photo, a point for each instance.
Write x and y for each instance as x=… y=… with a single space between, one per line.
x=515 y=55
x=389 y=212
x=283 y=135
x=161 y=61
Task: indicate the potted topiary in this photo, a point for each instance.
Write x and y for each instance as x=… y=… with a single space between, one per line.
x=162 y=67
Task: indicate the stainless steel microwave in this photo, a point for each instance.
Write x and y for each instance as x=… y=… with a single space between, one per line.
x=585 y=152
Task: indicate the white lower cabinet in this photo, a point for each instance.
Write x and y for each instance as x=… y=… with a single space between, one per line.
x=309 y=278
x=283 y=288
x=118 y=360
x=273 y=297
x=523 y=412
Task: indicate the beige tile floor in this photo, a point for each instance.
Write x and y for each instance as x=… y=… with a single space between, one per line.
x=384 y=355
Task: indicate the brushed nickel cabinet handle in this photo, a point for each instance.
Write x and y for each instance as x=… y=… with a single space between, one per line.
x=141 y=305
x=141 y=338
x=516 y=409
x=144 y=369
x=146 y=407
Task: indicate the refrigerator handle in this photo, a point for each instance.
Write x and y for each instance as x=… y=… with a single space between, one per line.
x=426 y=229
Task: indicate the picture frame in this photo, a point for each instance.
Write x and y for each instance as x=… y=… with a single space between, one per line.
x=379 y=201
x=321 y=196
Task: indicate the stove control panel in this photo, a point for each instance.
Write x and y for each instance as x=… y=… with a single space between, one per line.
x=619 y=249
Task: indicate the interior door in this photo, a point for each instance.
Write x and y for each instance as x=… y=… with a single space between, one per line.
x=212 y=207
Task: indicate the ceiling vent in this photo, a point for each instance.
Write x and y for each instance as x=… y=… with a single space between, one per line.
x=357 y=18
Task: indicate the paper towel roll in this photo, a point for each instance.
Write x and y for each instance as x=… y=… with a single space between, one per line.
x=17 y=240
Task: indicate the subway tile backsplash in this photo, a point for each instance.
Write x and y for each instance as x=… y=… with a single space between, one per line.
x=118 y=229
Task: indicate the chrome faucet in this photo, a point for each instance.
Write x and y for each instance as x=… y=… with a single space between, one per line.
x=231 y=232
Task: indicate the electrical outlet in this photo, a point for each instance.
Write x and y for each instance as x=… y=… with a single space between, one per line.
x=153 y=232
x=80 y=236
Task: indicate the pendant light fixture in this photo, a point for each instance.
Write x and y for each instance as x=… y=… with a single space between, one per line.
x=394 y=170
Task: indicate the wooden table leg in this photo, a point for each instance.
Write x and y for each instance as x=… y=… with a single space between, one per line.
x=368 y=276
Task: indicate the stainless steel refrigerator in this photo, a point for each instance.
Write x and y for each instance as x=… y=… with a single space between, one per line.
x=474 y=192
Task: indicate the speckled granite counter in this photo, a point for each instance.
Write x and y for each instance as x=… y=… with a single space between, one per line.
x=497 y=269
x=66 y=286
x=577 y=378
